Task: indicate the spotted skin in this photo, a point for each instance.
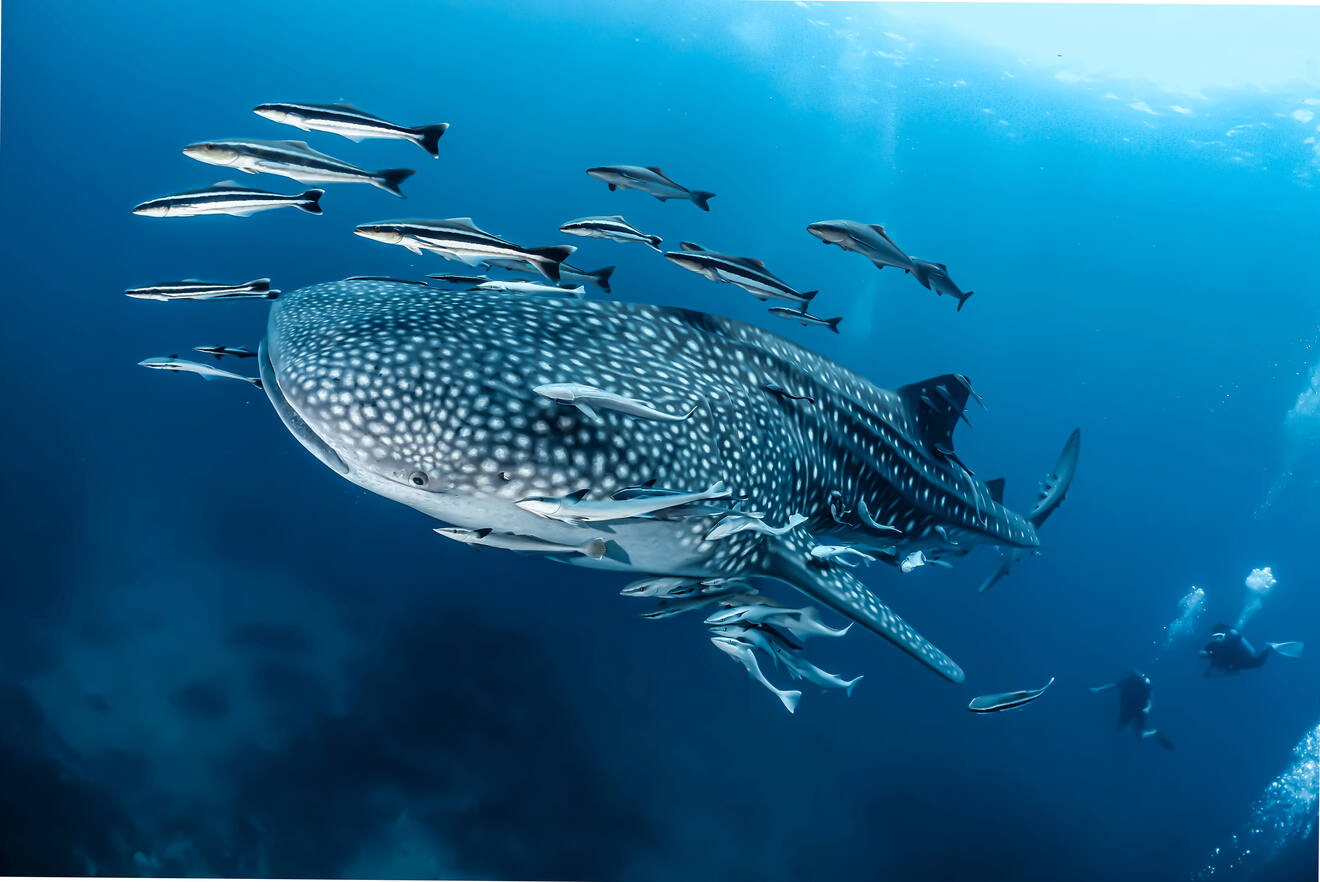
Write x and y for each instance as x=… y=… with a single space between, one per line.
x=427 y=397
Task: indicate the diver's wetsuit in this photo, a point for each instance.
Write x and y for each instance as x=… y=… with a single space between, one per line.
x=1134 y=703
x=1230 y=652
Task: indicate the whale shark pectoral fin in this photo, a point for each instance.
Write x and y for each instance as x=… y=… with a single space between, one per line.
x=843 y=592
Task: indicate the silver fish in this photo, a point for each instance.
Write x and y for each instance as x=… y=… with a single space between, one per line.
x=222 y=351
x=803 y=622
x=458 y=238
x=192 y=289
x=593 y=548
x=649 y=179
x=747 y=273
x=576 y=507
x=742 y=653
x=838 y=554
x=351 y=123
x=869 y=240
x=587 y=398
x=293 y=159
x=802 y=317
x=667 y=608
x=205 y=371
x=737 y=523
x=567 y=272
x=227 y=197
x=612 y=227
x=936 y=277
x=515 y=286
x=1001 y=701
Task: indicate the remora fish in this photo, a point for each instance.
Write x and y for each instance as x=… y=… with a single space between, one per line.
x=192 y=289
x=612 y=227
x=747 y=273
x=783 y=394
x=803 y=622
x=293 y=159
x=1001 y=701
x=588 y=398
x=353 y=124
x=458 y=279
x=387 y=279
x=205 y=371
x=737 y=523
x=936 y=277
x=227 y=197
x=458 y=238
x=869 y=240
x=839 y=554
x=742 y=653
x=575 y=507
x=802 y=317
x=517 y=286
x=469 y=462
x=221 y=351
x=594 y=548
x=668 y=608
x=649 y=179
x=567 y=272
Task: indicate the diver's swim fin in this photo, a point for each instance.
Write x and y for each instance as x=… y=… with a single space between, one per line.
x=1160 y=739
x=1292 y=649
x=844 y=593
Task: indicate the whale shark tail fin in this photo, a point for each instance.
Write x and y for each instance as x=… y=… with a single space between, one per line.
x=1291 y=649
x=841 y=591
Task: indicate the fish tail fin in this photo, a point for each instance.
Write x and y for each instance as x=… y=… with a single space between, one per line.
x=718 y=490
x=808 y=296
x=654 y=242
x=255 y=381
x=595 y=549
x=311 y=203
x=548 y=259
x=790 y=699
x=1291 y=649
x=833 y=324
x=601 y=278
x=259 y=284
x=390 y=179
x=848 y=686
x=840 y=590
x=701 y=197
x=428 y=137
x=962 y=300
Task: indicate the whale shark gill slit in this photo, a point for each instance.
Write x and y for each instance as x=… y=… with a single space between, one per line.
x=296 y=425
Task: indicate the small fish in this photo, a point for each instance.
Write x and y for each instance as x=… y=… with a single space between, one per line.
x=517 y=286
x=612 y=227
x=458 y=238
x=293 y=159
x=222 y=351
x=351 y=123
x=802 y=317
x=737 y=523
x=457 y=279
x=742 y=653
x=936 y=277
x=576 y=507
x=763 y=637
x=919 y=559
x=667 y=608
x=869 y=240
x=1001 y=701
x=387 y=279
x=801 y=669
x=662 y=586
x=784 y=395
x=205 y=371
x=868 y=520
x=594 y=548
x=191 y=289
x=227 y=197
x=838 y=554
x=649 y=179
x=747 y=273
x=567 y=272
x=803 y=622
x=587 y=398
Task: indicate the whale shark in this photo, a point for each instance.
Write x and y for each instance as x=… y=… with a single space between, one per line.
x=427 y=397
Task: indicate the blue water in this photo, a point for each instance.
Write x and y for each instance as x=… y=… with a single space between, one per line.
x=217 y=657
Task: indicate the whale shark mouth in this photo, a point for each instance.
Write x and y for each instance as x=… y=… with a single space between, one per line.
x=291 y=418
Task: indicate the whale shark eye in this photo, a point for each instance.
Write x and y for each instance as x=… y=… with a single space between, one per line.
x=419 y=479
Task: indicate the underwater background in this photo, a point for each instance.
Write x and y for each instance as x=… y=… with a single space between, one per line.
x=216 y=657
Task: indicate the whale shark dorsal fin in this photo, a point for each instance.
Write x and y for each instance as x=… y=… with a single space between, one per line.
x=936 y=405
x=996 y=488
x=840 y=590
x=579 y=495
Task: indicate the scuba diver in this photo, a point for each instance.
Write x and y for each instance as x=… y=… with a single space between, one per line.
x=1134 y=704
x=1230 y=652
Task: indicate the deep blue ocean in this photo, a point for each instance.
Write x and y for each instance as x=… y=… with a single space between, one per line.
x=219 y=658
